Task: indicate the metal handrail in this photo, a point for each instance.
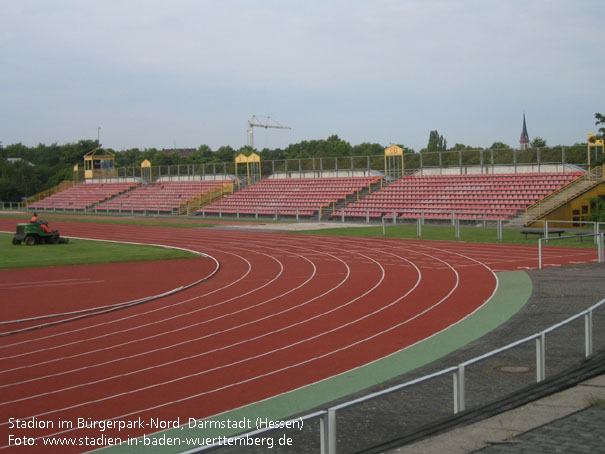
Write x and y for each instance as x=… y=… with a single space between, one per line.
x=328 y=417
x=595 y=174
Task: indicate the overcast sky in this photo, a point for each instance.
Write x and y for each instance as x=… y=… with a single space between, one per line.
x=156 y=73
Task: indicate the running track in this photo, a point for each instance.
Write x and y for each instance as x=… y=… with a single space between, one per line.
x=281 y=312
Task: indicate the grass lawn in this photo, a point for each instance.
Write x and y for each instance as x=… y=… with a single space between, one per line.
x=447 y=233
x=79 y=252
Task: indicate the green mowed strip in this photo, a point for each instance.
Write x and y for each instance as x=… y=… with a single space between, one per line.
x=80 y=252
x=447 y=233
x=101 y=220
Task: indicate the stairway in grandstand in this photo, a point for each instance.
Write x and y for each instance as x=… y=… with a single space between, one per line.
x=337 y=208
x=478 y=196
x=560 y=197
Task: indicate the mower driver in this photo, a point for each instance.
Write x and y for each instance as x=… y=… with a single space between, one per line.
x=43 y=224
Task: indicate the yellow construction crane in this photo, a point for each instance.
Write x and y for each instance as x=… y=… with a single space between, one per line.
x=258 y=123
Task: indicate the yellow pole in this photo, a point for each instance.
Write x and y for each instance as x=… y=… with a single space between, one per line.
x=402 y=166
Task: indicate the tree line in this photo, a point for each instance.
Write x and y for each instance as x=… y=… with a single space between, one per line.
x=25 y=171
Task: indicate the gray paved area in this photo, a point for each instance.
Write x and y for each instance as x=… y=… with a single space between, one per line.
x=572 y=421
x=582 y=432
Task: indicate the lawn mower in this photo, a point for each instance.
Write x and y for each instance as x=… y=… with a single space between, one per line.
x=31 y=234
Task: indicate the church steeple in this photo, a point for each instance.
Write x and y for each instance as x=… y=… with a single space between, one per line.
x=524 y=141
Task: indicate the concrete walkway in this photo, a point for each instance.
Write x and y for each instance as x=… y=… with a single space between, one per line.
x=570 y=421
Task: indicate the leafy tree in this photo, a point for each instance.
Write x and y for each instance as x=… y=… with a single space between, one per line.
x=224 y=154
x=538 y=142
x=73 y=153
x=597 y=209
x=436 y=142
x=335 y=146
x=367 y=149
x=128 y=158
x=246 y=150
x=9 y=191
x=153 y=156
x=65 y=174
x=600 y=121
x=18 y=180
x=17 y=150
x=462 y=147
x=499 y=145
x=202 y=155
x=600 y=136
x=272 y=155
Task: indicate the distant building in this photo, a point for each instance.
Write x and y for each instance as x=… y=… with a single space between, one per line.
x=182 y=152
x=524 y=141
x=14 y=160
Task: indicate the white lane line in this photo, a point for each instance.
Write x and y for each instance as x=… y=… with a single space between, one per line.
x=163 y=333
x=43 y=282
x=28 y=286
x=111 y=322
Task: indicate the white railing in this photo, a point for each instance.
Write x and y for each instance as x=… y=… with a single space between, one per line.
x=599 y=239
x=327 y=418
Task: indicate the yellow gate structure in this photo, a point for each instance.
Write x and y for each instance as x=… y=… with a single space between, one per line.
x=393 y=162
x=253 y=171
x=99 y=163
x=146 y=171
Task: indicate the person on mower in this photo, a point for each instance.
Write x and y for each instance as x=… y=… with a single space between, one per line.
x=43 y=224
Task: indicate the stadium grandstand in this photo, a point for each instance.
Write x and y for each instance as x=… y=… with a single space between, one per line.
x=81 y=197
x=468 y=196
x=482 y=184
x=472 y=196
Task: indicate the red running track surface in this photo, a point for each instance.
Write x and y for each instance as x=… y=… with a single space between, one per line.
x=283 y=311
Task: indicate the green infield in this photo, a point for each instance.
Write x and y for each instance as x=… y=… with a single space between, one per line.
x=80 y=252
x=448 y=233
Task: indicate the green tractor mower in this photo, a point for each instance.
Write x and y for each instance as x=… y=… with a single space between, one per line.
x=31 y=234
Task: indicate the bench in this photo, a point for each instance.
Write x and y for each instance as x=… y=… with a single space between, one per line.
x=541 y=232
